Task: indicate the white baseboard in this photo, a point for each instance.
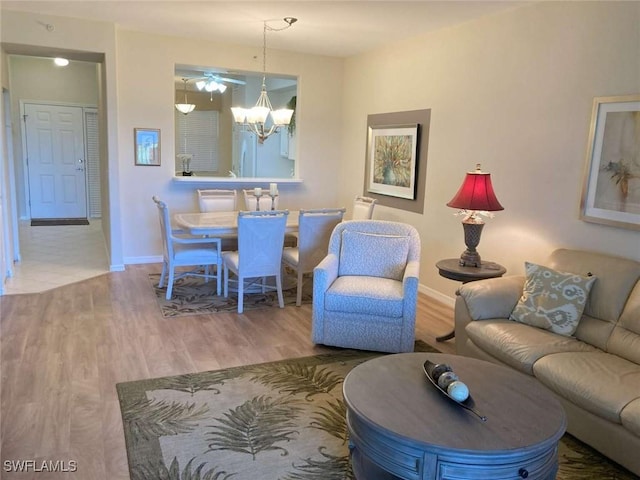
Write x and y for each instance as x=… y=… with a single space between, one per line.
x=116 y=268
x=441 y=297
x=144 y=259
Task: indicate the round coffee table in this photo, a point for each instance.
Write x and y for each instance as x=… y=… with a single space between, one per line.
x=402 y=427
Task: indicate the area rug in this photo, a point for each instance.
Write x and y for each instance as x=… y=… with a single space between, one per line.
x=48 y=222
x=194 y=296
x=281 y=420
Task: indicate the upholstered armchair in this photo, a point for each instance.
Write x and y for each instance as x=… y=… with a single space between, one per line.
x=365 y=290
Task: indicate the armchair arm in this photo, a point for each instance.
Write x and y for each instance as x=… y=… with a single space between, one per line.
x=324 y=274
x=409 y=304
x=493 y=297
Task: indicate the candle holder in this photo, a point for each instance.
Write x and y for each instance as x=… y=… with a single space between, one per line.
x=273 y=200
x=257 y=201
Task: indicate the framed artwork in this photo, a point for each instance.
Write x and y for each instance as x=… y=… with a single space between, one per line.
x=611 y=189
x=147 y=146
x=392 y=151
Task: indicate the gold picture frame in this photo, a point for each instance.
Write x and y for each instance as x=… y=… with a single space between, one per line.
x=611 y=187
x=147 y=146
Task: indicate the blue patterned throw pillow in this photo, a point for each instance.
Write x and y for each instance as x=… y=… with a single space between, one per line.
x=552 y=300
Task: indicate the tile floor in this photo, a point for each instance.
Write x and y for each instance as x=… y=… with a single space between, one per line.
x=57 y=255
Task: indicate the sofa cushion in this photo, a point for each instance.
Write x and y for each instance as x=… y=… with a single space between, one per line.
x=552 y=300
x=625 y=339
x=519 y=345
x=365 y=295
x=630 y=417
x=373 y=255
x=599 y=382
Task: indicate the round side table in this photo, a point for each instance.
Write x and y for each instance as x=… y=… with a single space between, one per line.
x=450 y=268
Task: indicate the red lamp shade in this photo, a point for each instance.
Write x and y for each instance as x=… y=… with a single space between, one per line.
x=476 y=193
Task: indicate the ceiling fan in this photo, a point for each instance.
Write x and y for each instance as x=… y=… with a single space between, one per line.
x=211 y=82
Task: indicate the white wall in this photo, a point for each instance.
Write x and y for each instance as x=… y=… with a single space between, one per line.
x=145 y=99
x=513 y=92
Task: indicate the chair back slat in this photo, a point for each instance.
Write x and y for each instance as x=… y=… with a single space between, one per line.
x=165 y=227
x=363 y=208
x=213 y=200
x=260 y=242
x=314 y=232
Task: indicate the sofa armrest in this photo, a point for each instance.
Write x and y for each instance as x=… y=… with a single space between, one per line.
x=493 y=297
x=484 y=299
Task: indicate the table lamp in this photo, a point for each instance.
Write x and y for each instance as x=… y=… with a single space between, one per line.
x=475 y=198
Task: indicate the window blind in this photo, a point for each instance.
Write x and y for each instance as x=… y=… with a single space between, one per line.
x=197 y=134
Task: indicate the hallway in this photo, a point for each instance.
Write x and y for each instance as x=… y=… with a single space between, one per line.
x=58 y=255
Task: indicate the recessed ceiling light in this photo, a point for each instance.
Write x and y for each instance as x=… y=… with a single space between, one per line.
x=61 y=62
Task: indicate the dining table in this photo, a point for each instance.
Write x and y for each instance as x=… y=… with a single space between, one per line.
x=215 y=224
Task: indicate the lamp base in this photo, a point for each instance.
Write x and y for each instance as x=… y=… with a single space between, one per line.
x=470 y=257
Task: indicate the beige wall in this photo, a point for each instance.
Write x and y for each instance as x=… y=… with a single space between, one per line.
x=146 y=97
x=513 y=92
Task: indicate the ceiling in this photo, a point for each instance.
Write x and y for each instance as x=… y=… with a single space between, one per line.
x=334 y=28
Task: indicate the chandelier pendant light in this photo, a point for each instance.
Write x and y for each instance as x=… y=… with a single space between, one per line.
x=185 y=107
x=255 y=119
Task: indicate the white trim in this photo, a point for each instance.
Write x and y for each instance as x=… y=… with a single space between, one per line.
x=116 y=268
x=238 y=181
x=143 y=259
x=440 y=297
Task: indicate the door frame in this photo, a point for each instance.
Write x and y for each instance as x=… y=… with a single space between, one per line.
x=23 y=134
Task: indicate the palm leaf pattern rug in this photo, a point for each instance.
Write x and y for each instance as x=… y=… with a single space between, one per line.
x=193 y=296
x=281 y=420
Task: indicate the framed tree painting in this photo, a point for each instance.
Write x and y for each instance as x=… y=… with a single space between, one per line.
x=611 y=188
x=392 y=152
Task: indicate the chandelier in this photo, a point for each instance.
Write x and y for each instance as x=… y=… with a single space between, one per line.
x=185 y=107
x=255 y=119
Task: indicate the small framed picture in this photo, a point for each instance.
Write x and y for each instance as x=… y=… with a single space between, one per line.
x=392 y=151
x=611 y=188
x=147 y=146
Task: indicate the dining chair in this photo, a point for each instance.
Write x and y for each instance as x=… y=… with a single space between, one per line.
x=259 y=255
x=183 y=251
x=363 y=208
x=314 y=231
x=214 y=200
x=251 y=203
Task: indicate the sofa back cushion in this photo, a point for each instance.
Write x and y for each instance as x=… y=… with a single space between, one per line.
x=625 y=338
x=616 y=278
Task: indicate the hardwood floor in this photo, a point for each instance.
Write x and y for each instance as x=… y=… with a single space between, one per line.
x=63 y=351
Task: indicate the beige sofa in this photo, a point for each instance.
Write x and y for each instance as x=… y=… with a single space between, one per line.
x=595 y=373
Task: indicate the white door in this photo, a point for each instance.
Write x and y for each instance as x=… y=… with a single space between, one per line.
x=55 y=159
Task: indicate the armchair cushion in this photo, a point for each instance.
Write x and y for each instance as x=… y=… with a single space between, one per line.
x=366 y=295
x=373 y=255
